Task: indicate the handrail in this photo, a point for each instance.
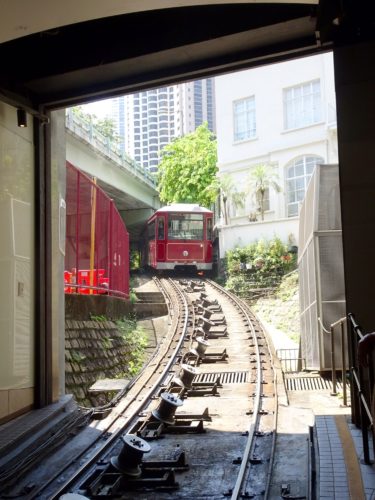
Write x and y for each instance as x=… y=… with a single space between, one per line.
x=90 y=134
x=340 y=322
x=363 y=383
x=102 y=289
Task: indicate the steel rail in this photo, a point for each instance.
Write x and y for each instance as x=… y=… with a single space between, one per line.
x=254 y=424
x=129 y=419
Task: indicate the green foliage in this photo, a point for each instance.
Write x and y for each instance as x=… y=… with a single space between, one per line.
x=133 y=297
x=260 y=264
x=136 y=340
x=77 y=357
x=100 y=317
x=134 y=260
x=105 y=126
x=187 y=170
x=107 y=343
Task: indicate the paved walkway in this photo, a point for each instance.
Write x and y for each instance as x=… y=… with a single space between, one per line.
x=341 y=471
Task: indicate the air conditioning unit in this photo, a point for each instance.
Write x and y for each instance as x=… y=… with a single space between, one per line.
x=321 y=268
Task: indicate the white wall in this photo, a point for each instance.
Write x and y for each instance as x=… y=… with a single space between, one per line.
x=242 y=234
x=16 y=263
x=272 y=144
x=266 y=84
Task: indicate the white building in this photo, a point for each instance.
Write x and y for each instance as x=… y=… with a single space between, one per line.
x=149 y=120
x=282 y=115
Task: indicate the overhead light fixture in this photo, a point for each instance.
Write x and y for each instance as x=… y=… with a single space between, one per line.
x=21 y=118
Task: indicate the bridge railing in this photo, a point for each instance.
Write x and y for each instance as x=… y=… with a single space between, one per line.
x=85 y=130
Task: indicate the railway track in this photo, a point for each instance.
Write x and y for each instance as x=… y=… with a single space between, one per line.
x=199 y=421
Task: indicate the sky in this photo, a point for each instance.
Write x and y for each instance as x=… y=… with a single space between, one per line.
x=101 y=109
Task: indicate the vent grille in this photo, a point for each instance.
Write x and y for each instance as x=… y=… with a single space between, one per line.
x=315 y=383
x=225 y=377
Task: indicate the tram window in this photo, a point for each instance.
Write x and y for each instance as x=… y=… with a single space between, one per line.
x=185 y=227
x=160 y=228
x=209 y=228
x=151 y=231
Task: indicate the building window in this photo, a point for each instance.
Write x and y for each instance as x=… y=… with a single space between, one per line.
x=298 y=174
x=302 y=105
x=244 y=119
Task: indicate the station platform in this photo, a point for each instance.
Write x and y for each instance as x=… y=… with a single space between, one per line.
x=315 y=437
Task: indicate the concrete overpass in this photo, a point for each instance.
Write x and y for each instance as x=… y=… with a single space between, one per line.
x=132 y=188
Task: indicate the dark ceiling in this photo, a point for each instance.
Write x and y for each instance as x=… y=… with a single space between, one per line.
x=122 y=54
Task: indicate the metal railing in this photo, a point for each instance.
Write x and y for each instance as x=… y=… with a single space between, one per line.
x=362 y=389
x=85 y=130
x=343 y=341
x=291 y=361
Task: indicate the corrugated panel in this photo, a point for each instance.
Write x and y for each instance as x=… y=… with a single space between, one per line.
x=310 y=206
x=331 y=266
x=329 y=213
x=321 y=267
x=301 y=227
x=225 y=377
x=311 y=383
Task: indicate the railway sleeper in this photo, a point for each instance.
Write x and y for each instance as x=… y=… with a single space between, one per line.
x=200 y=304
x=197 y=389
x=212 y=332
x=150 y=429
x=209 y=326
x=113 y=484
x=210 y=315
x=211 y=357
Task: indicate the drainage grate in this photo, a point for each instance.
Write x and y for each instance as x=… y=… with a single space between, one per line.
x=310 y=383
x=225 y=377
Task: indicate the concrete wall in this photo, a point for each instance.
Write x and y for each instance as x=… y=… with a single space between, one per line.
x=58 y=216
x=17 y=246
x=355 y=81
x=83 y=307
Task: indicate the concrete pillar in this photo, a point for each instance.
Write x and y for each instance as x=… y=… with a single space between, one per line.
x=58 y=218
x=355 y=95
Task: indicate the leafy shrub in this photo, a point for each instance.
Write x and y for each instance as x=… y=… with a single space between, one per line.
x=260 y=264
x=136 y=340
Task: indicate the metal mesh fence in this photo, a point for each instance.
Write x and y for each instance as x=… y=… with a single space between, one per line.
x=97 y=242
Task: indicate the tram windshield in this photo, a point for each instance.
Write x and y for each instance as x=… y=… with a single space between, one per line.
x=185 y=227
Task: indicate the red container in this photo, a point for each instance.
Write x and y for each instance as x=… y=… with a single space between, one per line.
x=67 y=282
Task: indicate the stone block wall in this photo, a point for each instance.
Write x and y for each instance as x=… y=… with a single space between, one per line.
x=93 y=350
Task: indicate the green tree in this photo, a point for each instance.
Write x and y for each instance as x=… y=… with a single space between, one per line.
x=261 y=179
x=106 y=126
x=230 y=193
x=187 y=170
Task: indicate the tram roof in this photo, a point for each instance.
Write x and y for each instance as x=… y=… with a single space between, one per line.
x=184 y=207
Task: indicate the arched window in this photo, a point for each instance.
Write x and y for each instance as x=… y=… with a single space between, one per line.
x=298 y=174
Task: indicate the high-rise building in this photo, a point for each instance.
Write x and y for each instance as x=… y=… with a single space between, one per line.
x=147 y=121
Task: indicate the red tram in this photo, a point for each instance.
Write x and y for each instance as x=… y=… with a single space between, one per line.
x=179 y=237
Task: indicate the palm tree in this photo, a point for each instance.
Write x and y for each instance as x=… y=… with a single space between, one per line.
x=229 y=192
x=262 y=178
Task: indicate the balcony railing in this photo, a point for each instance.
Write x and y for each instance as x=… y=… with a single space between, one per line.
x=85 y=130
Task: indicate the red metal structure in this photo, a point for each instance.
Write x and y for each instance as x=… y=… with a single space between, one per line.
x=97 y=242
x=179 y=236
